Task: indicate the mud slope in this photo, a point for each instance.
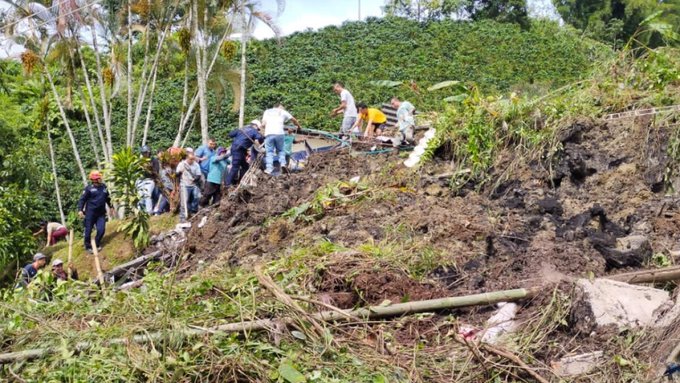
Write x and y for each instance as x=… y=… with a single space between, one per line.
x=563 y=215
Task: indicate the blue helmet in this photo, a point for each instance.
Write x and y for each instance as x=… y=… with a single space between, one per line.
x=145 y=149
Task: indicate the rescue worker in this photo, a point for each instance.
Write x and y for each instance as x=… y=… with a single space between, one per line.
x=204 y=155
x=244 y=139
x=92 y=206
x=212 y=192
x=191 y=182
x=374 y=118
x=347 y=108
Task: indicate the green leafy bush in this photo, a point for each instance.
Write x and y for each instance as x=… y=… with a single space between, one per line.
x=127 y=168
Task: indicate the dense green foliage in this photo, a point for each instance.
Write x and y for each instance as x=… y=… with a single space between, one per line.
x=616 y=21
x=512 y=11
x=474 y=132
x=298 y=70
x=495 y=56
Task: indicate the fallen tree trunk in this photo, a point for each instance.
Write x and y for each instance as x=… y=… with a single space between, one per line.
x=133 y=264
x=373 y=312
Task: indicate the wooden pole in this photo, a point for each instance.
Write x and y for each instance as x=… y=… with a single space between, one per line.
x=649 y=276
x=373 y=312
x=70 y=252
x=97 y=265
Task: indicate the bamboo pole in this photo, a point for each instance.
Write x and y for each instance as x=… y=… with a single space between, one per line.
x=373 y=312
x=100 y=275
x=70 y=253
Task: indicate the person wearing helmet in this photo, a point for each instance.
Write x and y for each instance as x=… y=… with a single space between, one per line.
x=92 y=206
x=244 y=139
x=146 y=186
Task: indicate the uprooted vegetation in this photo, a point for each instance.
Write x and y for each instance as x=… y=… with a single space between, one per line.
x=517 y=193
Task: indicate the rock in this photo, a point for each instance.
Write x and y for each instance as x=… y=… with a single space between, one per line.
x=630 y=251
x=603 y=302
x=631 y=242
x=550 y=206
x=577 y=364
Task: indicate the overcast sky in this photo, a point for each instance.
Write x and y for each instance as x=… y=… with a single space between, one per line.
x=303 y=14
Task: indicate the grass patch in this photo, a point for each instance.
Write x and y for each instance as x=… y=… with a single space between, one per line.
x=116 y=248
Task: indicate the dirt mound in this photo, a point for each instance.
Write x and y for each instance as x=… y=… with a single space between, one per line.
x=564 y=214
x=358 y=280
x=234 y=230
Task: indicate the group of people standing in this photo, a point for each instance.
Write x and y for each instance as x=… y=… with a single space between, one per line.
x=205 y=172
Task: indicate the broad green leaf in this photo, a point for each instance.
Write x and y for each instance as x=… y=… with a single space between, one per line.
x=651 y=17
x=385 y=83
x=290 y=374
x=443 y=84
x=457 y=98
x=665 y=30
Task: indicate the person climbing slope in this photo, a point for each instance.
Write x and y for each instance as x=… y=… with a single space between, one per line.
x=347 y=108
x=244 y=139
x=55 y=232
x=92 y=206
x=29 y=271
x=213 y=185
x=274 y=120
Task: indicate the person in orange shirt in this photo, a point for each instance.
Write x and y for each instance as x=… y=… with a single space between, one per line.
x=374 y=118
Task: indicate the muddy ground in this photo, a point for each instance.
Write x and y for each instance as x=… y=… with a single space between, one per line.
x=557 y=215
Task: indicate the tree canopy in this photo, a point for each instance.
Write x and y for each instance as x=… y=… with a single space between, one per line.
x=616 y=21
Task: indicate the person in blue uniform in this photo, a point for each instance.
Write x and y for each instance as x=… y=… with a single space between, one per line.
x=92 y=206
x=244 y=139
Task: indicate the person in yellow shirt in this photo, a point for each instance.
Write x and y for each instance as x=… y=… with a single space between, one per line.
x=374 y=118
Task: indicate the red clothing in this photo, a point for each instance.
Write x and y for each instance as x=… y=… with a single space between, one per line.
x=58 y=234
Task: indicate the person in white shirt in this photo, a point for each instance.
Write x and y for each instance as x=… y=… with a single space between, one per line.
x=191 y=179
x=274 y=120
x=347 y=107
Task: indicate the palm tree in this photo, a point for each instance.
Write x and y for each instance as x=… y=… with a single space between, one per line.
x=243 y=14
x=250 y=12
x=44 y=26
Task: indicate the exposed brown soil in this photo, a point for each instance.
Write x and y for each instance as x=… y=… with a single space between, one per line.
x=556 y=216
